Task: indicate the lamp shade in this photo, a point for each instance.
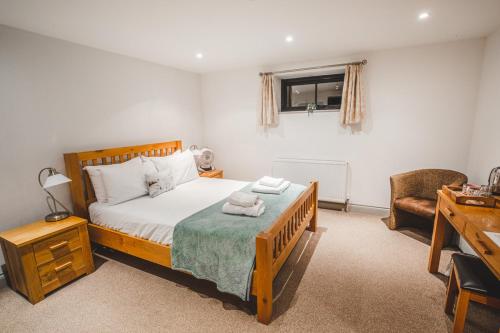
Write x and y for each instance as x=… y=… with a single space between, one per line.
x=55 y=179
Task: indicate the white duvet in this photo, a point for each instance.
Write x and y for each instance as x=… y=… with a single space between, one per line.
x=155 y=218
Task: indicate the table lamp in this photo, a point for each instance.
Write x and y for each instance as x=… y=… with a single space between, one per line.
x=54 y=178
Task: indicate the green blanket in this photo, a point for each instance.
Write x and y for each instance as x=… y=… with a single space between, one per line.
x=219 y=247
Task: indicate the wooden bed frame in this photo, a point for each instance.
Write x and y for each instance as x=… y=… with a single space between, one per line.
x=273 y=246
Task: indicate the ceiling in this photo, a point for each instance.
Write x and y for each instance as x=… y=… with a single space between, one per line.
x=240 y=33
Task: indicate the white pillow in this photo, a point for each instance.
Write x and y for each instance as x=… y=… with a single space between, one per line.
x=162 y=162
x=182 y=164
x=96 y=179
x=95 y=173
x=124 y=181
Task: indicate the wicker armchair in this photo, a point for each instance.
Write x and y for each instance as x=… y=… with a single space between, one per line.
x=414 y=195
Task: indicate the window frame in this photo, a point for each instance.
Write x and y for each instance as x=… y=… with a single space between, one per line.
x=287 y=83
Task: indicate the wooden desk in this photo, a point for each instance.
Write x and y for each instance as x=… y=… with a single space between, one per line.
x=471 y=223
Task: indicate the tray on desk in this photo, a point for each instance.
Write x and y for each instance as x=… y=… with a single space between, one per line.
x=455 y=193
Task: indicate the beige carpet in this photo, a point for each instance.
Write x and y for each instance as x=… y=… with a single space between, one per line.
x=354 y=275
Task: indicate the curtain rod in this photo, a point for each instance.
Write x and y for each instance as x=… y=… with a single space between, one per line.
x=363 y=62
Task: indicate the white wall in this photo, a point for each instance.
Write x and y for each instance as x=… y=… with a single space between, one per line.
x=58 y=97
x=485 y=144
x=420 y=104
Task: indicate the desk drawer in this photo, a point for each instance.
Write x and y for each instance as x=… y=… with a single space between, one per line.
x=451 y=215
x=57 y=246
x=485 y=247
x=62 y=270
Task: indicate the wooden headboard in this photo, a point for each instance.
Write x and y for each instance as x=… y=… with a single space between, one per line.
x=82 y=192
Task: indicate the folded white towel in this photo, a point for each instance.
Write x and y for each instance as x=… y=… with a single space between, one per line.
x=270 y=190
x=270 y=181
x=243 y=199
x=254 y=211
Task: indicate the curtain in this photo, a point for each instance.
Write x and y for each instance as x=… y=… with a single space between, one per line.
x=352 y=109
x=269 y=107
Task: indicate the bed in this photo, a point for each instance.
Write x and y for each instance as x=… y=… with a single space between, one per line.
x=154 y=219
x=139 y=228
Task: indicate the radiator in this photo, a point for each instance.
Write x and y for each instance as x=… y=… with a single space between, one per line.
x=333 y=176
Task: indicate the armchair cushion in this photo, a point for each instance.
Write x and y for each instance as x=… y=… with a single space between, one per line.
x=419 y=206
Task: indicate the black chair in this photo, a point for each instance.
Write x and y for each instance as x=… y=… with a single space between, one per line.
x=473 y=281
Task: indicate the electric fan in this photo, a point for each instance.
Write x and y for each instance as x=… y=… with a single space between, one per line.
x=203 y=157
x=207 y=159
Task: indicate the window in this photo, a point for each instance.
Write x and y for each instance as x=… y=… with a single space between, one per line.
x=325 y=91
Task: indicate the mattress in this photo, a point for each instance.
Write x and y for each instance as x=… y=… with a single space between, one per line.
x=154 y=219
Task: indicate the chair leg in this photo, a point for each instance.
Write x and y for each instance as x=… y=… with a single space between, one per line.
x=461 y=311
x=451 y=292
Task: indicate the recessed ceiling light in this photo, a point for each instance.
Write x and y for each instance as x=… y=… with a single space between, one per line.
x=423 y=16
x=289 y=38
x=199 y=55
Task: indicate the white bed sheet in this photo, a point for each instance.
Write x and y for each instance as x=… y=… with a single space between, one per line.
x=155 y=218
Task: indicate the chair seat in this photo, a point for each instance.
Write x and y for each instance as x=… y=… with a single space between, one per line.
x=419 y=206
x=475 y=276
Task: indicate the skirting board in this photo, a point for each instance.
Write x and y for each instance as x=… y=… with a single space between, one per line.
x=332 y=205
x=349 y=207
x=3 y=276
x=381 y=211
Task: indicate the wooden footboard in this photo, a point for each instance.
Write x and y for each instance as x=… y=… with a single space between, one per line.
x=274 y=245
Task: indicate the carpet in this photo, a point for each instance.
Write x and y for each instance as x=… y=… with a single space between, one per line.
x=353 y=275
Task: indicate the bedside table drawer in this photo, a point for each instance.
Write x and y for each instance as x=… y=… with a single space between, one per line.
x=57 y=246
x=62 y=270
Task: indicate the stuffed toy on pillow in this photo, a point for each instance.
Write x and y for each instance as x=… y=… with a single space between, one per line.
x=160 y=182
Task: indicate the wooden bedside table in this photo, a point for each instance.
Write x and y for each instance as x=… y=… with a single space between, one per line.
x=212 y=174
x=43 y=256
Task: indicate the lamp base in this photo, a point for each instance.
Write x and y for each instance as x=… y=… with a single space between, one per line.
x=57 y=216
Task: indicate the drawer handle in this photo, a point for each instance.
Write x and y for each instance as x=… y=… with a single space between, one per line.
x=59 y=245
x=484 y=248
x=63 y=266
x=448 y=212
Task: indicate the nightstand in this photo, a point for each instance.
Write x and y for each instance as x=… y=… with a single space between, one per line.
x=44 y=256
x=212 y=174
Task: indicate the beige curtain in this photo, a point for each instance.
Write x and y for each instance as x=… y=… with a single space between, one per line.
x=352 y=109
x=269 y=108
